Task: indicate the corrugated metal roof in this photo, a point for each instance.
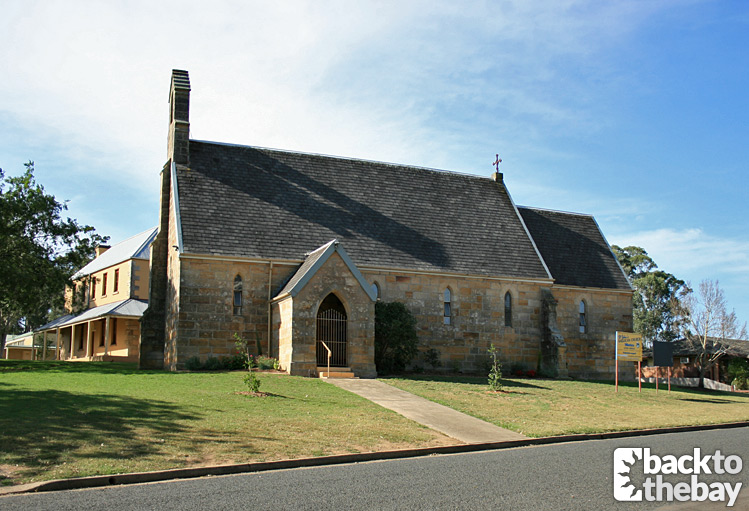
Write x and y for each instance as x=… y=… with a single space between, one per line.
x=135 y=247
x=55 y=322
x=20 y=341
x=130 y=308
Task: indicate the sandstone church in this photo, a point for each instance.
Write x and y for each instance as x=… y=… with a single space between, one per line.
x=291 y=249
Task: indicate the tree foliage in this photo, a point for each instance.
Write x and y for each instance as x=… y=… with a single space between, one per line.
x=39 y=252
x=657 y=310
x=395 y=337
x=709 y=325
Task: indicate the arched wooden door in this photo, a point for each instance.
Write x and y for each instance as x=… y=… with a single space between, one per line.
x=332 y=329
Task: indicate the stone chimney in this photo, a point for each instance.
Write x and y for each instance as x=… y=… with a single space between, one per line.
x=153 y=321
x=101 y=249
x=178 y=149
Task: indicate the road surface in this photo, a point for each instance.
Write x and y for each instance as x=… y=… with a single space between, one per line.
x=571 y=476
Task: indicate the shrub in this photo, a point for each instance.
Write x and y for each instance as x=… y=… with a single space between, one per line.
x=432 y=357
x=212 y=364
x=193 y=364
x=395 y=337
x=233 y=363
x=738 y=373
x=265 y=363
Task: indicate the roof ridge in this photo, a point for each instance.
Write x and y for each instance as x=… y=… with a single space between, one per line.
x=135 y=236
x=348 y=158
x=532 y=208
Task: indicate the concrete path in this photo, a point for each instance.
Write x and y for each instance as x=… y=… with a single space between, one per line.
x=445 y=420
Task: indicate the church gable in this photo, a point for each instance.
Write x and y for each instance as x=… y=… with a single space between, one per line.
x=315 y=261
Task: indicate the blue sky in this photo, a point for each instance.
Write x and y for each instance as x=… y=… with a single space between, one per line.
x=634 y=111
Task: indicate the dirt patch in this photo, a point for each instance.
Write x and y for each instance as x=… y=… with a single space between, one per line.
x=8 y=473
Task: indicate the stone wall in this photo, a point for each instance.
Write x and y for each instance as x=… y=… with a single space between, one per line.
x=478 y=321
x=204 y=322
x=592 y=354
x=201 y=320
x=478 y=317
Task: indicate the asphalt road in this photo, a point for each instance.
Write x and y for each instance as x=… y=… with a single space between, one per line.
x=572 y=476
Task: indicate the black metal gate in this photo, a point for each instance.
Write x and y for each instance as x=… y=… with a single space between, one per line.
x=331 y=329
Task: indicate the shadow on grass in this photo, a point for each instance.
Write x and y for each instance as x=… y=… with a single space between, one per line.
x=467 y=380
x=39 y=429
x=71 y=367
x=708 y=400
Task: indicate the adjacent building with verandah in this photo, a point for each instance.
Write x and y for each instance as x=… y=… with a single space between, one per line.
x=105 y=304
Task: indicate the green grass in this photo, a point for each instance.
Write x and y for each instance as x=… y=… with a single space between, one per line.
x=63 y=419
x=539 y=408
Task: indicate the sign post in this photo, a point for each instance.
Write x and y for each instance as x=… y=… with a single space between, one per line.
x=629 y=349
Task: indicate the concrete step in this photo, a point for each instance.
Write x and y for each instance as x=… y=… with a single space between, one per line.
x=336 y=372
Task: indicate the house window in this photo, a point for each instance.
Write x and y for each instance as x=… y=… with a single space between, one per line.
x=583 y=318
x=116 y=283
x=448 y=306
x=508 y=309
x=237 y=295
x=104 y=285
x=113 y=327
x=376 y=290
x=103 y=335
x=80 y=338
x=93 y=287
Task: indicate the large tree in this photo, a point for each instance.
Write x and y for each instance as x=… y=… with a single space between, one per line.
x=656 y=303
x=39 y=252
x=710 y=326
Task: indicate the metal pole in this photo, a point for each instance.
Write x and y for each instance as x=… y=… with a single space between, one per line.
x=616 y=378
x=639 y=376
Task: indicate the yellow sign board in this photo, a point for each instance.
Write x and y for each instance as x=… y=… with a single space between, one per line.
x=628 y=346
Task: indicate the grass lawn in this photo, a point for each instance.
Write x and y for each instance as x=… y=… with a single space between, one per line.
x=63 y=419
x=555 y=407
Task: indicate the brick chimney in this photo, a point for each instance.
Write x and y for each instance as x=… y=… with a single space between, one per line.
x=101 y=249
x=178 y=149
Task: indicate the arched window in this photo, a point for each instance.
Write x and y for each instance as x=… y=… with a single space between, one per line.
x=376 y=290
x=448 y=306
x=237 y=295
x=508 y=309
x=583 y=317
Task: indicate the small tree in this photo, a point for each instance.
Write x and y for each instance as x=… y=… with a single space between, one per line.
x=495 y=373
x=709 y=326
x=395 y=336
x=243 y=348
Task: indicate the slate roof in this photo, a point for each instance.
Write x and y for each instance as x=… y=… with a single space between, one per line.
x=253 y=202
x=574 y=249
x=135 y=247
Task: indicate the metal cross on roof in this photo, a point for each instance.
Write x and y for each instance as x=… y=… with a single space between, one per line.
x=497 y=162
